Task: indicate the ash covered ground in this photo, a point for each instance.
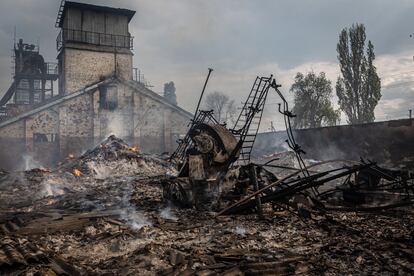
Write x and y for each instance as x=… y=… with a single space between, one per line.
x=103 y=213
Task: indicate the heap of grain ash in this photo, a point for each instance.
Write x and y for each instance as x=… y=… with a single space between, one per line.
x=113 y=157
x=104 y=173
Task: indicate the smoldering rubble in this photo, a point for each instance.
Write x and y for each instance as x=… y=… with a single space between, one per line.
x=209 y=208
x=105 y=213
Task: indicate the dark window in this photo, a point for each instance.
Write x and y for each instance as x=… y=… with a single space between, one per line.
x=108 y=97
x=39 y=137
x=43 y=137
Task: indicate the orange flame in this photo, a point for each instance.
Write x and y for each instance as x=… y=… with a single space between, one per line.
x=134 y=149
x=76 y=172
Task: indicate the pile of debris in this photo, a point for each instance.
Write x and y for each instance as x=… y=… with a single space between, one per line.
x=121 y=224
x=345 y=184
x=114 y=157
x=98 y=171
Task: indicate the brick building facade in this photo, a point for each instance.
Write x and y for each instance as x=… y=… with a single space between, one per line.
x=97 y=95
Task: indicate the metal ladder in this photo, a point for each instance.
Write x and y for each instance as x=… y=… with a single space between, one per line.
x=248 y=122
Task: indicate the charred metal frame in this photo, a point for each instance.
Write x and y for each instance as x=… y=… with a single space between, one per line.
x=278 y=191
x=248 y=121
x=33 y=78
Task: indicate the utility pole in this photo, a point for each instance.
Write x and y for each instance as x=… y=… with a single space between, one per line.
x=410 y=112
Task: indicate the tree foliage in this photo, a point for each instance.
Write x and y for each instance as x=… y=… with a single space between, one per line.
x=359 y=87
x=224 y=108
x=312 y=101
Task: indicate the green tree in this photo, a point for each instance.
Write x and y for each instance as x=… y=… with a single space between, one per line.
x=359 y=87
x=312 y=101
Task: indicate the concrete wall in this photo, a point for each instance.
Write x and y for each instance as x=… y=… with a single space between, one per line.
x=390 y=141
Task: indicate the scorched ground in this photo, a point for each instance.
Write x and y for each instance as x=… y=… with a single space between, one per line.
x=103 y=213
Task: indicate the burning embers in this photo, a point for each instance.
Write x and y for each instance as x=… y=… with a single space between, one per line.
x=112 y=158
x=76 y=172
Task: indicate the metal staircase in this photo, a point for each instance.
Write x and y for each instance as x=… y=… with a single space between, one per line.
x=248 y=122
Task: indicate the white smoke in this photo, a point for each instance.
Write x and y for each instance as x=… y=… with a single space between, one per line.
x=134 y=218
x=240 y=230
x=167 y=213
x=331 y=151
x=101 y=171
x=116 y=125
x=30 y=162
x=52 y=187
x=285 y=146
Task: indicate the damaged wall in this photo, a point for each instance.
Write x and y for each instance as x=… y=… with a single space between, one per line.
x=34 y=138
x=94 y=47
x=42 y=136
x=78 y=124
x=389 y=141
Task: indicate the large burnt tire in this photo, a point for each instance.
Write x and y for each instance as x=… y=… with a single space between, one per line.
x=224 y=142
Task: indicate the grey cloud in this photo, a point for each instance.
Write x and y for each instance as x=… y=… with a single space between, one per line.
x=178 y=40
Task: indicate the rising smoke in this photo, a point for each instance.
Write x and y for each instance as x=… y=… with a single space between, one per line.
x=167 y=213
x=128 y=212
x=30 y=162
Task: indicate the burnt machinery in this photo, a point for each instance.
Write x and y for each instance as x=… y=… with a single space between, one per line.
x=33 y=80
x=214 y=165
x=209 y=149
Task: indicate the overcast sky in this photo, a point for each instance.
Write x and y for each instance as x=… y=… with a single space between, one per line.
x=178 y=40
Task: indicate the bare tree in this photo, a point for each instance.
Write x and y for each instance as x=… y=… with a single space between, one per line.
x=224 y=108
x=230 y=113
